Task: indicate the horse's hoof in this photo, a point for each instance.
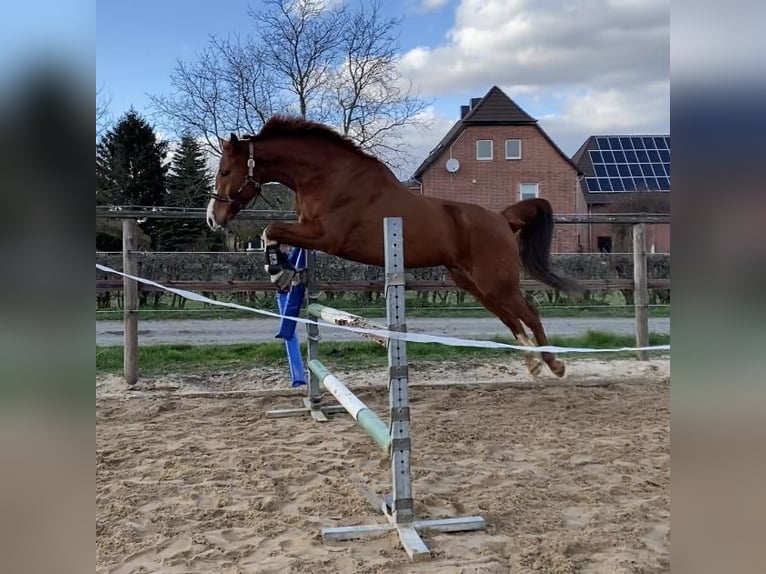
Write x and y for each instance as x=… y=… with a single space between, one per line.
x=558 y=368
x=535 y=366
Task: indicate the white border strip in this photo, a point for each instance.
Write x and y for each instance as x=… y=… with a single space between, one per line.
x=407 y=336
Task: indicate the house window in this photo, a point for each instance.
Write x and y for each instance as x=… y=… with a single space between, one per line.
x=512 y=149
x=529 y=190
x=484 y=149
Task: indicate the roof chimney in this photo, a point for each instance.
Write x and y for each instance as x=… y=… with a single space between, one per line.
x=474 y=101
x=463 y=111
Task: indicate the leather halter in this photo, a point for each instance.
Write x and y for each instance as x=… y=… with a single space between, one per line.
x=234 y=197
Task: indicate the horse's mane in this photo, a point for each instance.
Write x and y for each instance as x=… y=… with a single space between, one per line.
x=294 y=126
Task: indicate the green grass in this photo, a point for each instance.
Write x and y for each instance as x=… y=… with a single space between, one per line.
x=612 y=307
x=163 y=359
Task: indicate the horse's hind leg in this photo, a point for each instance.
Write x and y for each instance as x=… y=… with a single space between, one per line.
x=508 y=314
x=531 y=317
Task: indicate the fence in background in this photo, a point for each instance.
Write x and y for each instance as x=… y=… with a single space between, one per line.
x=640 y=283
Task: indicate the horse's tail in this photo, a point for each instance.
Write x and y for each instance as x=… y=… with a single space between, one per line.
x=533 y=219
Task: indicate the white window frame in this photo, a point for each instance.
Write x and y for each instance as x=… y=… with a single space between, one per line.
x=521 y=190
x=491 y=150
x=506 y=148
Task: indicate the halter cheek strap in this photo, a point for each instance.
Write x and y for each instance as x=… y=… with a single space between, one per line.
x=234 y=198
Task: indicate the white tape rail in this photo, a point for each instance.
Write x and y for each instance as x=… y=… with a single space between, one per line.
x=406 y=336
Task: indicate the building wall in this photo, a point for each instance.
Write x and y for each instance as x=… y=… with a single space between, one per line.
x=657 y=235
x=495 y=184
x=583 y=230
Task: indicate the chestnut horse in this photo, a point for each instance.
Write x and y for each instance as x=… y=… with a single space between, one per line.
x=342 y=196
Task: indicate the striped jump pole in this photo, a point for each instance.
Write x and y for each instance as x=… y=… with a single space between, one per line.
x=346 y=319
x=365 y=418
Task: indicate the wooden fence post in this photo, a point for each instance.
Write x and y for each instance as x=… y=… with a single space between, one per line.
x=130 y=292
x=640 y=289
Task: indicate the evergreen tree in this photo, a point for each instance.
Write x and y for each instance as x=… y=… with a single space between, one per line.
x=189 y=185
x=130 y=169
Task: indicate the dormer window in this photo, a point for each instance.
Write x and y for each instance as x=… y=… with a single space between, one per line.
x=484 y=150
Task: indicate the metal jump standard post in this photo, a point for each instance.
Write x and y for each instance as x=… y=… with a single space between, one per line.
x=397 y=507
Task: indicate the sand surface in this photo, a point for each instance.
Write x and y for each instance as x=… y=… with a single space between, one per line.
x=570 y=475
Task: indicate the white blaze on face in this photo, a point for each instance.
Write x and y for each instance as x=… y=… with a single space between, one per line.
x=211 y=222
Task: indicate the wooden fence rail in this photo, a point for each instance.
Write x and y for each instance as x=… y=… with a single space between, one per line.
x=103 y=285
x=144 y=212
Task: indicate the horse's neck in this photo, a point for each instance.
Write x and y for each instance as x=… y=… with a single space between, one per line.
x=306 y=170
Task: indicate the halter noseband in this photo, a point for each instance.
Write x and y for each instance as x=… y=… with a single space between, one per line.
x=234 y=198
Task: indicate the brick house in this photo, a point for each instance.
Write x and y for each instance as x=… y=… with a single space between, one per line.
x=625 y=174
x=495 y=155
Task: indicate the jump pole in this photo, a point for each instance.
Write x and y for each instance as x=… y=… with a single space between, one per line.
x=347 y=319
x=365 y=418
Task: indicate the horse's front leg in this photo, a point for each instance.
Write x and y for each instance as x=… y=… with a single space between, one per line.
x=278 y=266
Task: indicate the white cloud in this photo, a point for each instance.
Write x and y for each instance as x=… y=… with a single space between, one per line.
x=645 y=109
x=579 y=66
x=536 y=42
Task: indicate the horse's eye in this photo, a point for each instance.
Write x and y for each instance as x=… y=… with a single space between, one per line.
x=224 y=173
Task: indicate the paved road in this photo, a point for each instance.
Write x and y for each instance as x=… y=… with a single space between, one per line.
x=227 y=331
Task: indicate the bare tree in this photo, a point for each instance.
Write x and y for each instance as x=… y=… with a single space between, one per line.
x=225 y=89
x=102 y=111
x=370 y=95
x=301 y=40
x=315 y=58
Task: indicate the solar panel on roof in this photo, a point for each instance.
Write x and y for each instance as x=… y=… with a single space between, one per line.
x=592 y=184
x=630 y=163
x=647 y=170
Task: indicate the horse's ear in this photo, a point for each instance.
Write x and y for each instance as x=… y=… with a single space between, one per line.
x=233 y=138
x=224 y=144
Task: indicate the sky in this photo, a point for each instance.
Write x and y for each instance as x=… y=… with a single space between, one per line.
x=580 y=67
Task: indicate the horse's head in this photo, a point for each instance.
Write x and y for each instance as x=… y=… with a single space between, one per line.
x=237 y=182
